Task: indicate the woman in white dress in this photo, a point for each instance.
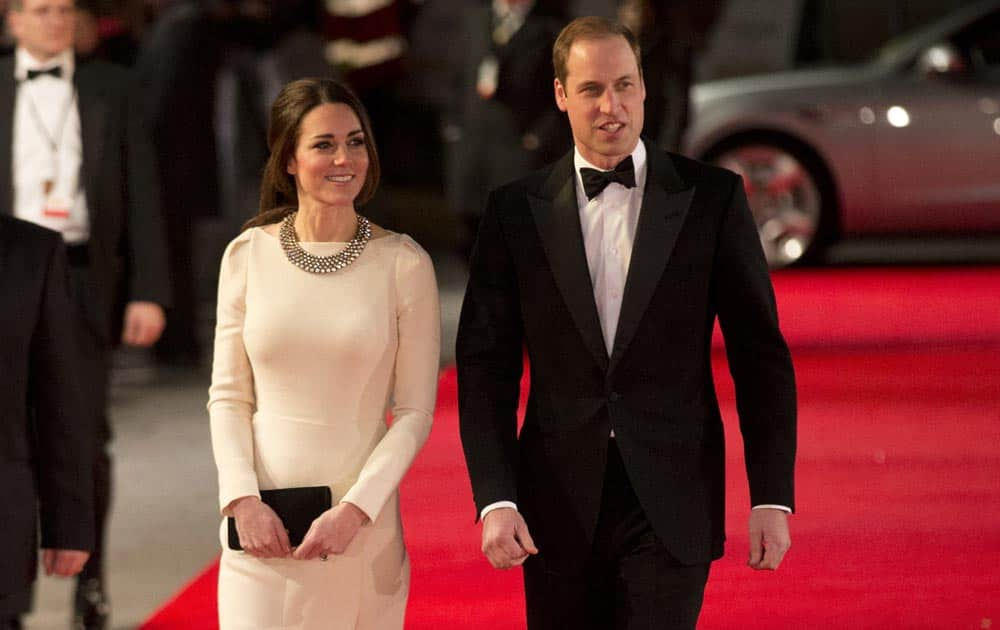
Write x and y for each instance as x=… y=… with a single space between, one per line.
x=326 y=322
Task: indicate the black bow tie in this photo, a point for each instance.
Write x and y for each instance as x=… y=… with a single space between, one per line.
x=595 y=181
x=54 y=71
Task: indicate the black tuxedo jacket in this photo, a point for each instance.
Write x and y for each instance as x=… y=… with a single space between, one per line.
x=696 y=258
x=44 y=470
x=126 y=247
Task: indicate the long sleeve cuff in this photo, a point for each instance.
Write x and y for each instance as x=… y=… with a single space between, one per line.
x=496 y=506
x=773 y=506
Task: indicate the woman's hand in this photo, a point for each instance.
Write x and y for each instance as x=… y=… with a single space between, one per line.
x=262 y=534
x=331 y=532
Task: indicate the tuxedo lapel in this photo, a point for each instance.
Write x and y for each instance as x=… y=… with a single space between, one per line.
x=557 y=218
x=93 y=120
x=665 y=203
x=8 y=93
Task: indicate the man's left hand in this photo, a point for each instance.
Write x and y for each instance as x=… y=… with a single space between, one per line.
x=144 y=322
x=769 y=538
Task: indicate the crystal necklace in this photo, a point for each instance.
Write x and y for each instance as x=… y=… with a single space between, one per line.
x=322 y=264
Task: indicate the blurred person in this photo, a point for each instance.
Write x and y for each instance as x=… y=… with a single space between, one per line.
x=612 y=496
x=107 y=33
x=299 y=398
x=47 y=485
x=263 y=52
x=671 y=33
x=501 y=123
x=87 y=34
x=83 y=166
x=367 y=43
x=176 y=69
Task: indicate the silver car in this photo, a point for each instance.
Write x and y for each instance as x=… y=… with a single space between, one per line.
x=906 y=144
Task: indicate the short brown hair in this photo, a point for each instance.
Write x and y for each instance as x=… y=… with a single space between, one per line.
x=278 y=196
x=590 y=27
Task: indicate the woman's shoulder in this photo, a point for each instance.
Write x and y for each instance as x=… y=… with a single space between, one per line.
x=239 y=243
x=239 y=248
x=406 y=249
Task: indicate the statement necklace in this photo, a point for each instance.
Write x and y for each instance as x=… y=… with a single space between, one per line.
x=322 y=264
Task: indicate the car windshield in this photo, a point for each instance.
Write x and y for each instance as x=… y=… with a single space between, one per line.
x=892 y=49
x=911 y=42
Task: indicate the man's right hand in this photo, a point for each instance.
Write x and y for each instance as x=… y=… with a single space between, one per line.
x=64 y=562
x=262 y=534
x=506 y=541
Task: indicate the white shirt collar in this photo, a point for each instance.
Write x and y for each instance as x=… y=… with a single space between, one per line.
x=638 y=162
x=24 y=61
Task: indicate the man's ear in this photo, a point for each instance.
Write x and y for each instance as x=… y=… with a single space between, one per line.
x=560 y=95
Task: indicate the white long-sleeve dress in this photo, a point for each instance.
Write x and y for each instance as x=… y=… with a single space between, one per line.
x=305 y=368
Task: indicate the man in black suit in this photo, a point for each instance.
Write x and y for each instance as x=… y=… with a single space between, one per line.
x=83 y=166
x=611 y=267
x=44 y=471
x=499 y=122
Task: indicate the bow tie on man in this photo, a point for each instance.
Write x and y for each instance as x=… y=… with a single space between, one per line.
x=54 y=71
x=595 y=181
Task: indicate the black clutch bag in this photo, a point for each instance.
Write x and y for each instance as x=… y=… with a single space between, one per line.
x=296 y=507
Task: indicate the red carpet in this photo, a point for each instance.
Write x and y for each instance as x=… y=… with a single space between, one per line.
x=896 y=306
x=899 y=503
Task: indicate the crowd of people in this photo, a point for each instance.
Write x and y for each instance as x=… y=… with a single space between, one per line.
x=610 y=497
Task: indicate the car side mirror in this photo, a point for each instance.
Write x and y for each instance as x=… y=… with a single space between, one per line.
x=940 y=60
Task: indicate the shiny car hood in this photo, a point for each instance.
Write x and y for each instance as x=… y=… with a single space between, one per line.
x=790 y=81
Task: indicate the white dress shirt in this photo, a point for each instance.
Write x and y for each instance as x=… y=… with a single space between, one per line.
x=46 y=113
x=609 y=223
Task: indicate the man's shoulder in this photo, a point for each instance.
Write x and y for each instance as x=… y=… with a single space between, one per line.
x=695 y=171
x=105 y=72
x=7 y=65
x=523 y=186
x=537 y=183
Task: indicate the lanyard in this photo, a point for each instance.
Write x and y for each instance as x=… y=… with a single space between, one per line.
x=53 y=139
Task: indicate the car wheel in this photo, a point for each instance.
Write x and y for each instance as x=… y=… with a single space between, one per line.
x=786 y=191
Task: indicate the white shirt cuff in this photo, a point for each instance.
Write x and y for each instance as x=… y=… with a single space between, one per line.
x=496 y=506
x=783 y=508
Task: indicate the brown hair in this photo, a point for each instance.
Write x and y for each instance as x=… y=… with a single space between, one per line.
x=278 y=197
x=590 y=27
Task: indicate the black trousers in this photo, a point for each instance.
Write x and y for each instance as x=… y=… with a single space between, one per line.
x=630 y=581
x=95 y=355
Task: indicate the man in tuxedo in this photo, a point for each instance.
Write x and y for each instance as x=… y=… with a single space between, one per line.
x=82 y=165
x=610 y=267
x=44 y=472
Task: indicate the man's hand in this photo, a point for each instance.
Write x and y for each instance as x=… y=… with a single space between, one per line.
x=144 y=322
x=769 y=538
x=331 y=532
x=261 y=532
x=63 y=562
x=506 y=541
